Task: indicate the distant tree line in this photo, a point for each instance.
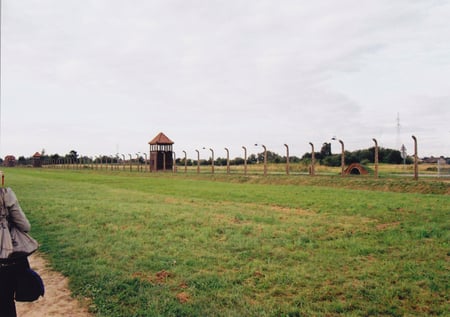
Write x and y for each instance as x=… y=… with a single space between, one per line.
x=366 y=156
x=70 y=158
x=324 y=157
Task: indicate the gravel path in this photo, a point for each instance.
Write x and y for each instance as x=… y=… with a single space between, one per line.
x=57 y=301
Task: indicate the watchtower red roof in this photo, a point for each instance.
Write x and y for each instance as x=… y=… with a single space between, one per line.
x=161 y=138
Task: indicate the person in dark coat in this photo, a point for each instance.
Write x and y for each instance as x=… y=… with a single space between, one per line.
x=11 y=268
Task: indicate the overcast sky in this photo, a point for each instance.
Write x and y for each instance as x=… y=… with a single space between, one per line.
x=106 y=76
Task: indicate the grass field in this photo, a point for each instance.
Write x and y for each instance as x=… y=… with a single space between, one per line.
x=187 y=245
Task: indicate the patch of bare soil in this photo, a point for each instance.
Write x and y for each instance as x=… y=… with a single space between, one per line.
x=57 y=300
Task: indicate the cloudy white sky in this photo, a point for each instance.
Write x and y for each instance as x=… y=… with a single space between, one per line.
x=106 y=76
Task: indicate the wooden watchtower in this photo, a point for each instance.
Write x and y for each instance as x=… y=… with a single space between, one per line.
x=37 y=160
x=161 y=155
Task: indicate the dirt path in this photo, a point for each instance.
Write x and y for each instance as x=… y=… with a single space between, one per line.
x=57 y=301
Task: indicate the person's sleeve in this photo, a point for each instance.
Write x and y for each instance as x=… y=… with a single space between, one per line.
x=16 y=216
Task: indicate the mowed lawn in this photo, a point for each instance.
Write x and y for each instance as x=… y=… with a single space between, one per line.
x=140 y=244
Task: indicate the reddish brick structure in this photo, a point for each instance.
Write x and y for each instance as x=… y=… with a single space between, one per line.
x=37 y=160
x=9 y=161
x=355 y=169
x=161 y=154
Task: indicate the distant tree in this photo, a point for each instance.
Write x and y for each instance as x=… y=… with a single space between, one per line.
x=73 y=155
x=326 y=150
x=237 y=161
x=393 y=157
x=22 y=160
x=272 y=157
x=221 y=161
x=332 y=160
x=362 y=155
x=352 y=157
x=252 y=159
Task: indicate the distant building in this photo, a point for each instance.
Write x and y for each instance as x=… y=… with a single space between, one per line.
x=441 y=161
x=37 y=160
x=9 y=161
x=161 y=154
x=430 y=160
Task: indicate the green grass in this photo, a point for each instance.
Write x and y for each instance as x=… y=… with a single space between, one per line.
x=177 y=245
